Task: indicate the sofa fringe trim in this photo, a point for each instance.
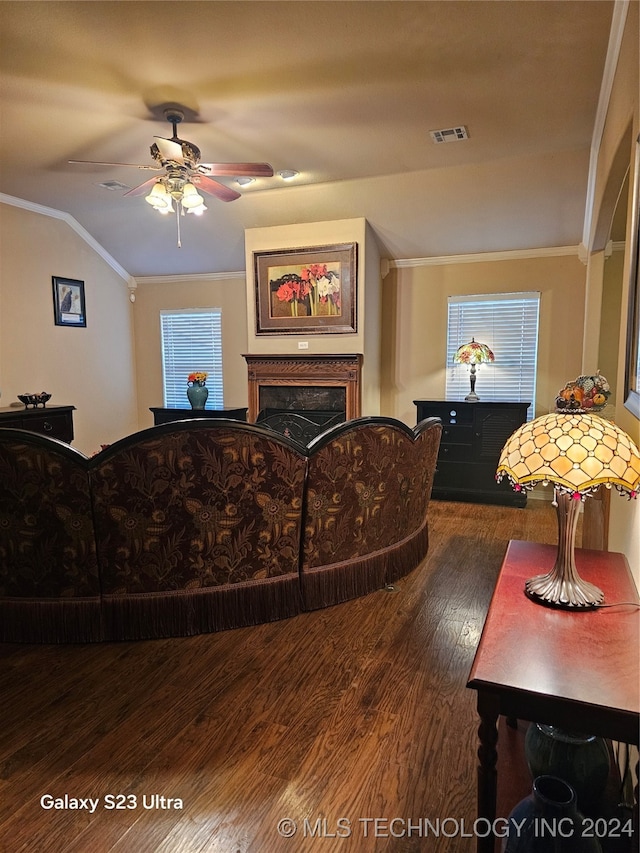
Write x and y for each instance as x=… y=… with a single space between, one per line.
x=339 y=582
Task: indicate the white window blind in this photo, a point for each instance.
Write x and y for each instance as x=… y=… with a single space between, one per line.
x=508 y=324
x=191 y=341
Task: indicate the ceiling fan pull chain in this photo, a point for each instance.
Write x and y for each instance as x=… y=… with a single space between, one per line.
x=178 y=224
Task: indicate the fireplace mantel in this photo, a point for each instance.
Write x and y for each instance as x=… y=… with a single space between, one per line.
x=304 y=371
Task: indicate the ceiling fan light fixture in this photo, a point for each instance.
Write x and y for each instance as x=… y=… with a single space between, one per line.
x=184 y=175
x=159 y=198
x=190 y=197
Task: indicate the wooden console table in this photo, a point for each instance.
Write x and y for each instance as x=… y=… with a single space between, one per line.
x=576 y=670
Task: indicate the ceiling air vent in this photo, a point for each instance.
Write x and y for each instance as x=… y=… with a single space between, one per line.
x=451 y=134
x=114 y=185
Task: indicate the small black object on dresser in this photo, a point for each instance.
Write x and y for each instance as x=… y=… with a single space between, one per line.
x=473 y=434
x=54 y=421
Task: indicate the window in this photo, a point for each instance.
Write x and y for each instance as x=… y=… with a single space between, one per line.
x=508 y=324
x=191 y=340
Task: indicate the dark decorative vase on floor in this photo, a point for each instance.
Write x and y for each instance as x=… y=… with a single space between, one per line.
x=197 y=394
x=581 y=760
x=548 y=821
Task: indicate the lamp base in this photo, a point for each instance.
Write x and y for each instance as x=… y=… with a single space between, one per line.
x=563 y=587
x=472 y=397
x=554 y=591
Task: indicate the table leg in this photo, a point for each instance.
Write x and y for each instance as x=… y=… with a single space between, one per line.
x=487 y=773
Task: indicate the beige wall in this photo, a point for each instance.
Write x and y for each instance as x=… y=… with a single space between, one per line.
x=414 y=324
x=155 y=295
x=616 y=153
x=90 y=368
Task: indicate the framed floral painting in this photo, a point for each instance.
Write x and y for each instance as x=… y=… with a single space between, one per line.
x=306 y=291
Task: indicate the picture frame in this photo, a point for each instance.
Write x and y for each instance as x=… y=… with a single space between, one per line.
x=68 y=301
x=632 y=353
x=306 y=291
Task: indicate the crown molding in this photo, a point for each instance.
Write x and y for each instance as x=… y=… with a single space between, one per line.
x=134 y=281
x=73 y=224
x=481 y=257
x=181 y=279
x=618 y=21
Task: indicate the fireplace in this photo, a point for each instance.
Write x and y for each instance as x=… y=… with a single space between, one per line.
x=304 y=383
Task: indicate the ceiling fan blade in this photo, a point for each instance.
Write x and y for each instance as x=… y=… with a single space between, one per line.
x=169 y=149
x=143 y=188
x=235 y=170
x=208 y=185
x=99 y=163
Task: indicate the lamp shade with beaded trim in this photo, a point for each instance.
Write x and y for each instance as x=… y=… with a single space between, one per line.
x=577 y=454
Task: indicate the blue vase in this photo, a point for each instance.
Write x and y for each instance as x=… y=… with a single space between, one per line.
x=547 y=821
x=581 y=760
x=197 y=394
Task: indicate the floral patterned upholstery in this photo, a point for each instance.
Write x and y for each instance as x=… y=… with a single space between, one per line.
x=368 y=490
x=195 y=507
x=204 y=525
x=48 y=564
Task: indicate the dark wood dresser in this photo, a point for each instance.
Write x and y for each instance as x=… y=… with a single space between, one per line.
x=473 y=434
x=54 y=421
x=166 y=416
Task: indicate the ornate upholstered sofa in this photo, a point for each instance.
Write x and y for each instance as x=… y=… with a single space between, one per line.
x=49 y=580
x=365 y=515
x=204 y=525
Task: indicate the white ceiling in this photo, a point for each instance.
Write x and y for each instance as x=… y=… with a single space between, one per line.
x=344 y=92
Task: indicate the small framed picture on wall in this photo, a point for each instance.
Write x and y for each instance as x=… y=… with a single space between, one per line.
x=68 y=302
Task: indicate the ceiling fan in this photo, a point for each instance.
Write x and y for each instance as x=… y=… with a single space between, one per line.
x=184 y=174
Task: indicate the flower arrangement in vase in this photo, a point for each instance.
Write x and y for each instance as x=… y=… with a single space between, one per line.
x=197 y=378
x=197 y=392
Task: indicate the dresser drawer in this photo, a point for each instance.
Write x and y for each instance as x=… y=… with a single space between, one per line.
x=54 y=421
x=456 y=452
x=457 y=434
x=12 y=423
x=54 y=425
x=449 y=413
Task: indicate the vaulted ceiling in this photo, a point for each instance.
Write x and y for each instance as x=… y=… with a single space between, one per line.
x=346 y=93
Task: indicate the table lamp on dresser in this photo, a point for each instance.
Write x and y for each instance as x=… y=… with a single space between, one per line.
x=473 y=353
x=576 y=454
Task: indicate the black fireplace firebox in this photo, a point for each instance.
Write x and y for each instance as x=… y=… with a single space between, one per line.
x=302 y=398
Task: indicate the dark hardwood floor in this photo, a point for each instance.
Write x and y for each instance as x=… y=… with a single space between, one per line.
x=329 y=720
